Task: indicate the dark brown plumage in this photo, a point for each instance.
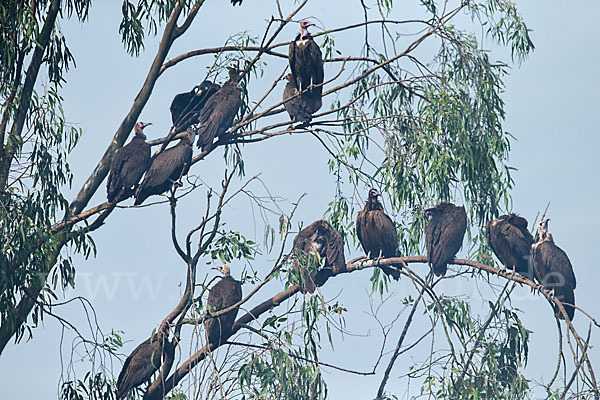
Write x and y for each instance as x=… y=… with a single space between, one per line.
x=186 y=106
x=223 y=294
x=300 y=108
x=167 y=167
x=377 y=232
x=306 y=64
x=511 y=242
x=128 y=165
x=142 y=363
x=553 y=270
x=319 y=238
x=444 y=235
x=219 y=111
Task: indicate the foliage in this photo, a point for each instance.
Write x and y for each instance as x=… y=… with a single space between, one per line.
x=421 y=129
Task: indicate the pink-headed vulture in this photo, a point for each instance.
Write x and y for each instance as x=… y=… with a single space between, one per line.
x=444 y=235
x=143 y=362
x=166 y=168
x=553 y=270
x=318 y=253
x=306 y=64
x=128 y=165
x=511 y=242
x=186 y=106
x=219 y=111
x=223 y=294
x=377 y=233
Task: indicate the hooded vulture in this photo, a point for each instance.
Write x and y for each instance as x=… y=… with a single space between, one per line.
x=444 y=235
x=377 y=232
x=167 y=167
x=511 y=242
x=219 y=111
x=223 y=294
x=143 y=362
x=299 y=107
x=553 y=270
x=128 y=165
x=313 y=244
x=185 y=106
x=306 y=64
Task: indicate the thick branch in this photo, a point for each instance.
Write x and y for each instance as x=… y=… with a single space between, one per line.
x=101 y=170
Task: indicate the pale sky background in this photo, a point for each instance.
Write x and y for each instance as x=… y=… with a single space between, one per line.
x=551 y=108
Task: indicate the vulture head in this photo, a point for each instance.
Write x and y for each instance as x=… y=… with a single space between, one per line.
x=304 y=24
x=373 y=201
x=542 y=233
x=201 y=88
x=234 y=75
x=139 y=128
x=224 y=269
x=429 y=213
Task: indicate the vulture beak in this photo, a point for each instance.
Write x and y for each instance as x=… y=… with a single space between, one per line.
x=145 y=124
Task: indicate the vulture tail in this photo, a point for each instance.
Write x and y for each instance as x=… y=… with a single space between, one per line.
x=440 y=270
x=566 y=295
x=393 y=272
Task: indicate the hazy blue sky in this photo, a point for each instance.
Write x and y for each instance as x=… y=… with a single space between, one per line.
x=552 y=107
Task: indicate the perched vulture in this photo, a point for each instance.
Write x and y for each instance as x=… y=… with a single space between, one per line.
x=185 y=106
x=219 y=111
x=511 y=242
x=553 y=269
x=444 y=235
x=377 y=232
x=299 y=107
x=166 y=168
x=306 y=64
x=142 y=363
x=223 y=294
x=128 y=165
x=318 y=240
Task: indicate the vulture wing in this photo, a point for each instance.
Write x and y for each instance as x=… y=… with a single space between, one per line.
x=186 y=106
x=114 y=184
x=141 y=364
x=322 y=238
x=223 y=294
x=553 y=270
x=306 y=64
x=127 y=167
x=179 y=105
x=378 y=237
x=166 y=168
x=297 y=106
x=444 y=237
x=511 y=242
x=218 y=113
x=334 y=255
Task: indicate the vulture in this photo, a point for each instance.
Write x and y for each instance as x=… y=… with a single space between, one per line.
x=219 y=111
x=299 y=107
x=306 y=64
x=223 y=294
x=377 y=232
x=128 y=165
x=142 y=363
x=321 y=240
x=167 y=167
x=185 y=106
x=444 y=235
x=511 y=242
x=553 y=270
